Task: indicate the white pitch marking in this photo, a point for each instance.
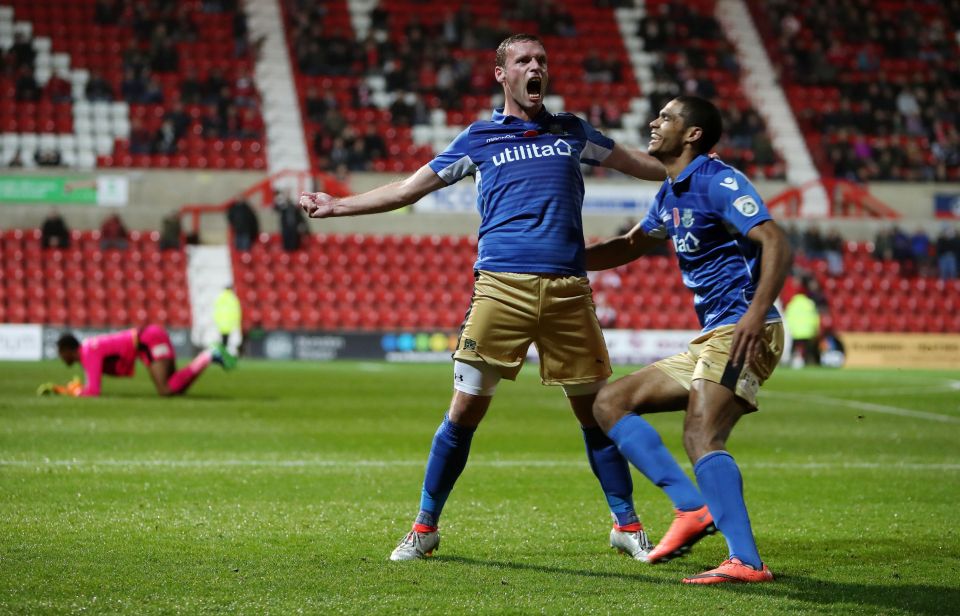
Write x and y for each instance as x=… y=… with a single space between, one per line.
x=350 y=464
x=867 y=406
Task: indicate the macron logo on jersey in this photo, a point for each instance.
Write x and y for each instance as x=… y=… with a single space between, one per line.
x=730 y=183
x=532 y=150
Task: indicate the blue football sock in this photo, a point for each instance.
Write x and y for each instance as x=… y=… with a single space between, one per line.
x=448 y=457
x=614 y=474
x=722 y=485
x=641 y=444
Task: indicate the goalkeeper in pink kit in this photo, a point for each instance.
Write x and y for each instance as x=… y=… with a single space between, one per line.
x=116 y=354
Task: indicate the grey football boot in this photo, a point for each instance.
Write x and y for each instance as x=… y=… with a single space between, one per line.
x=416 y=545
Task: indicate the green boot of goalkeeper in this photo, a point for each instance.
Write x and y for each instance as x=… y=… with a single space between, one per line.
x=220 y=355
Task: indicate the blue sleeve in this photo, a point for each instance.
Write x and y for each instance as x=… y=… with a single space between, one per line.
x=454 y=163
x=735 y=199
x=596 y=145
x=651 y=224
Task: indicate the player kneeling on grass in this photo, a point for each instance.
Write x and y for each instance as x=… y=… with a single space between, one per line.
x=734 y=258
x=116 y=354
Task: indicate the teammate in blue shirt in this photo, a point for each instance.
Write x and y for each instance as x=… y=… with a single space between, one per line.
x=531 y=283
x=734 y=258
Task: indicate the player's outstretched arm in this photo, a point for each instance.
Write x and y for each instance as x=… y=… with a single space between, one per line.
x=636 y=163
x=383 y=199
x=775 y=260
x=620 y=250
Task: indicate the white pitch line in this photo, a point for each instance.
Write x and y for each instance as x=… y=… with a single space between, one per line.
x=866 y=406
x=351 y=464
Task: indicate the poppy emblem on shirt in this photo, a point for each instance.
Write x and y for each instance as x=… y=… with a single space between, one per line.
x=676 y=217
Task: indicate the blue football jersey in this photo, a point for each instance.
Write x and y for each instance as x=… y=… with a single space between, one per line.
x=530 y=189
x=707 y=212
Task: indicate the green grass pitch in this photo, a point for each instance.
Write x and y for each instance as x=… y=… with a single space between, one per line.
x=282 y=487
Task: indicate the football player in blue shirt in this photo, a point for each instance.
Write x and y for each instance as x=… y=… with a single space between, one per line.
x=530 y=279
x=734 y=258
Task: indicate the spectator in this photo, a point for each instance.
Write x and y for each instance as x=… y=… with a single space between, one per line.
x=58 y=89
x=191 y=90
x=594 y=69
x=317 y=106
x=170 y=232
x=107 y=12
x=813 y=290
x=357 y=157
x=402 y=110
x=152 y=91
x=240 y=32
x=903 y=251
x=26 y=89
x=244 y=90
x=98 y=88
x=141 y=141
x=293 y=224
x=803 y=323
x=54 y=232
x=165 y=139
x=132 y=88
x=833 y=251
x=244 y=224
x=920 y=249
x=813 y=242
x=948 y=253
x=22 y=52
x=164 y=57
x=373 y=143
x=606 y=314
x=213 y=87
x=228 y=316
x=179 y=119
x=113 y=235
x=883 y=245
x=47 y=157
x=832 y=351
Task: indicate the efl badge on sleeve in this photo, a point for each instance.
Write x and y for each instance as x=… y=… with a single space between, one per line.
x=746 y=205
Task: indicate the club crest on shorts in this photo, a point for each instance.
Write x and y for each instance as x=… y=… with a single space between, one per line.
x=469 y=345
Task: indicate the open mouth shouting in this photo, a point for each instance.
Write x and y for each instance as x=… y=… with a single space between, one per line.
x=535 y=89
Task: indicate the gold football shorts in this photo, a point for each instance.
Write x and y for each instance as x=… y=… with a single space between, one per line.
x=509 y=311
x=707 y=357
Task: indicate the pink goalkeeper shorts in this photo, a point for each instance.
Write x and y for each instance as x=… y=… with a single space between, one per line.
x=153 y=343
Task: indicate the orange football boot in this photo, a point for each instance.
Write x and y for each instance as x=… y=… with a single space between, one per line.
x=687 y=528
x=732 y=571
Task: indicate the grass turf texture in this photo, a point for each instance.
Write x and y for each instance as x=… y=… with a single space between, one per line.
x=282 y=487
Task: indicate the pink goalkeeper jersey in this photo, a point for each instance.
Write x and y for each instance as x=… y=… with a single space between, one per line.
x=114 y=354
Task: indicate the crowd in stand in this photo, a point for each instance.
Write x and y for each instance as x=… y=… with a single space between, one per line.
x=55 y=235
x=850 y=46
x=917 y=254
x=229 y=106
x=691 y=68
x=421 y=70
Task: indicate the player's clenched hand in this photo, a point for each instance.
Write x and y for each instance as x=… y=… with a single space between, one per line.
x=316 y=205
x=747 y=338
